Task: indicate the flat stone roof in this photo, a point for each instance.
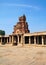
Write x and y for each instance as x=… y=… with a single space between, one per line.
x=27 y=34
x=16 y=34
x=4 y=35
x=35 y=33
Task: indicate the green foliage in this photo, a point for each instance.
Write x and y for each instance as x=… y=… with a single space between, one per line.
x=2 y=32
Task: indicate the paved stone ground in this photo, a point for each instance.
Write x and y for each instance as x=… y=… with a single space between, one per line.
x=30 y=55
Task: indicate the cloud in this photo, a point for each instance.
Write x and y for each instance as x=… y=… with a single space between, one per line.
x=21 y=5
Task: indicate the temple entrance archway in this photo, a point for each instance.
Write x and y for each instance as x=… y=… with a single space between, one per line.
x=17 y=39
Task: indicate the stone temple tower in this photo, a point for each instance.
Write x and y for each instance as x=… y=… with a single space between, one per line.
x=21 y=26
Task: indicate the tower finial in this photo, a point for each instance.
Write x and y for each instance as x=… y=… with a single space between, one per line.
x=22 y=18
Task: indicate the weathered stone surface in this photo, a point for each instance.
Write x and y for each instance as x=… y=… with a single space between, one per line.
x=21 y=26
x=28 y=55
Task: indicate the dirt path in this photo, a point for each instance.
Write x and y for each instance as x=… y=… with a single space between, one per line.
x=12 y=55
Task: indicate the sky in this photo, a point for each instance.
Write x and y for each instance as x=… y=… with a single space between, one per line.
x=34 y=10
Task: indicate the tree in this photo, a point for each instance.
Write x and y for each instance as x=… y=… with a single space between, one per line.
x=2 y=32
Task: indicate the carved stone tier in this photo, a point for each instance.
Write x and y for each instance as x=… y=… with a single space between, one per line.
x=21 y=26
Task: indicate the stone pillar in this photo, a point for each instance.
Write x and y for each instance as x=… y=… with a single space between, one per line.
x=18 y=39
x=34 y=39
x=24 y=40
x=1 y=40
x=12 y=39
x=7 y=40
x=38 y=40
x=42 y=41
x=29 y=40
x=21 y=39
x=4 y=40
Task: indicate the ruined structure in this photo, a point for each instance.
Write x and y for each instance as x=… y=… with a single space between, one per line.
x=21 y=26
x=21 y=35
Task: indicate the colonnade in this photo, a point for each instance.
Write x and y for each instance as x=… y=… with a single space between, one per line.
x=4 y=40
x=36 y=40
x=12 y=39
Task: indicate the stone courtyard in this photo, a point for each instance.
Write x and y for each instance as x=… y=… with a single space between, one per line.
x=18 y=55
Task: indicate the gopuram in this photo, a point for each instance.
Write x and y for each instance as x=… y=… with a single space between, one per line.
x=21 y=26
x=21 y=35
